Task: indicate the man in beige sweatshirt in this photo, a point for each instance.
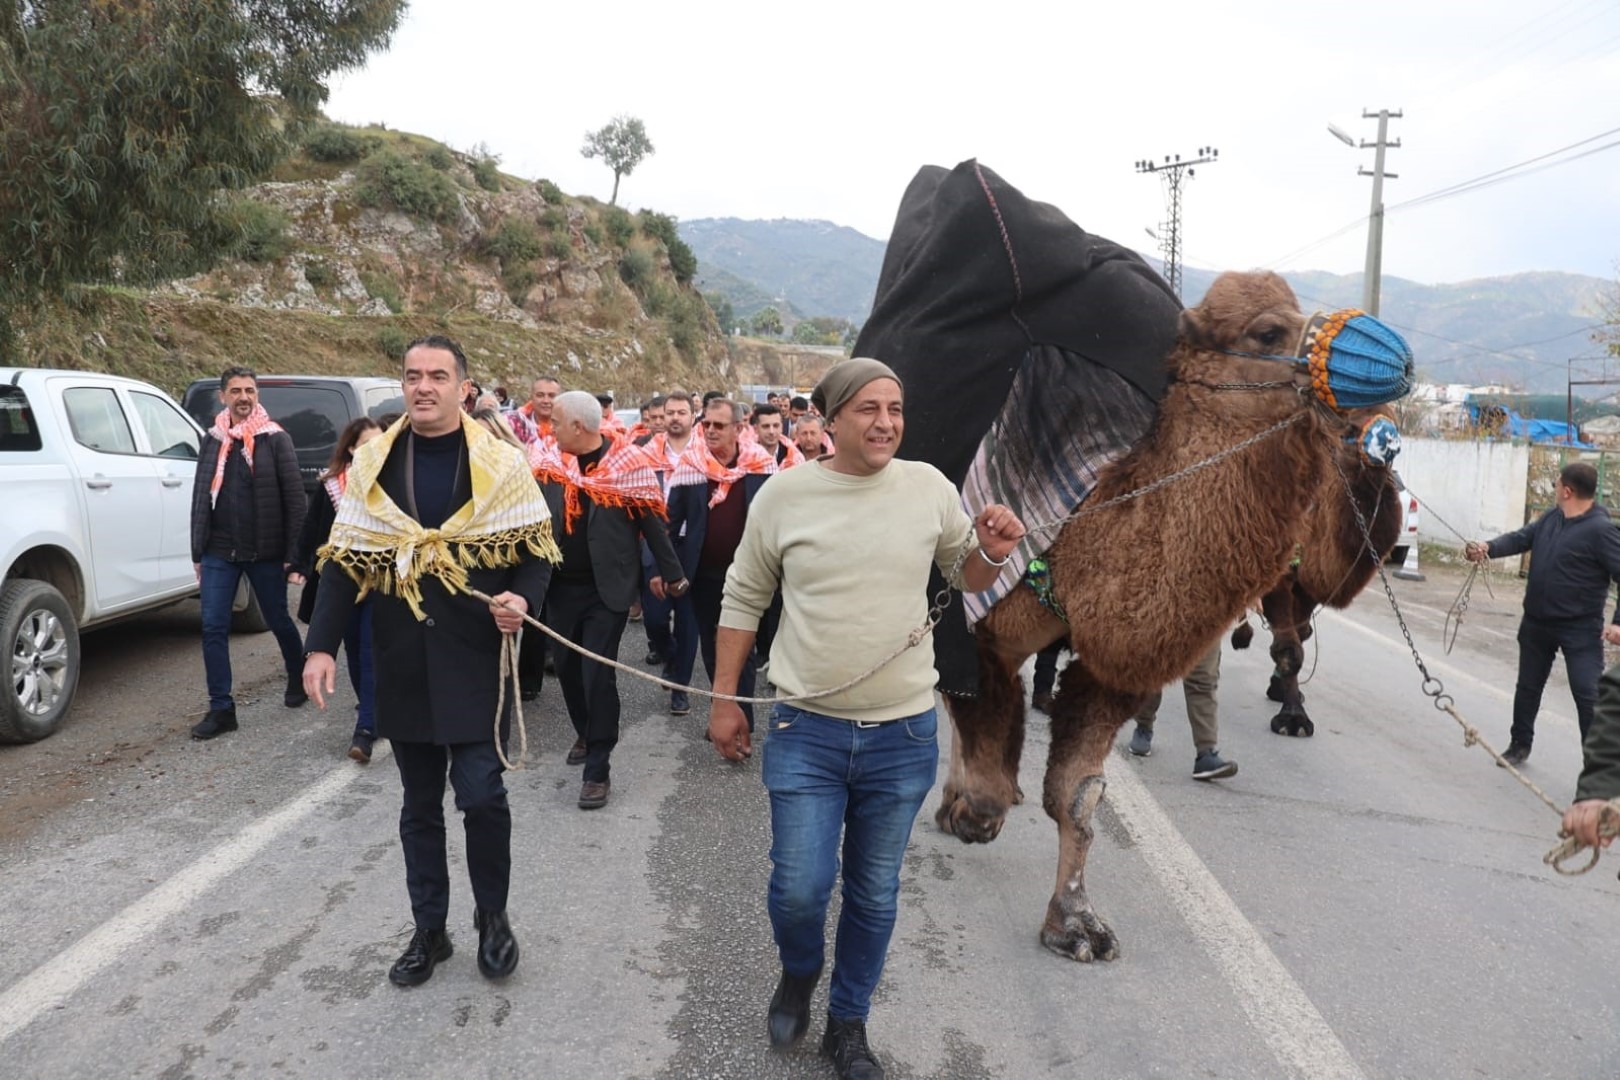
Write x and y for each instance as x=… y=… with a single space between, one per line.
x=850 y=540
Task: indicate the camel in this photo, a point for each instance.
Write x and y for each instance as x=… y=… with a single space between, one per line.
x=1149 y=584
x=1334 y=565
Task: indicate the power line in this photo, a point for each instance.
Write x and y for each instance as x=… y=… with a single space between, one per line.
x=1492 y=177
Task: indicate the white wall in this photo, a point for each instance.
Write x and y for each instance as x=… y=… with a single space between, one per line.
x=1478 y=487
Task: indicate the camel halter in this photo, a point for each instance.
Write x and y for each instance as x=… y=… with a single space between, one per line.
x=1354 y=361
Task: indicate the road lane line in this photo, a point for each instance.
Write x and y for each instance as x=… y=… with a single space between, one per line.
x=52 y=983
x=1276 y=1005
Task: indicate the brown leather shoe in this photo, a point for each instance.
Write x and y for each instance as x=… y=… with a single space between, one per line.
x=593 y=794
x=576 y=753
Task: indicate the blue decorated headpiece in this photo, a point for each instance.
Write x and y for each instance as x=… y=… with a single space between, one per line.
x=1379 y=442
x=1355 y=361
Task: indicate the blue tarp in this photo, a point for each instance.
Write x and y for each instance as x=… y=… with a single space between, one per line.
x=1515 y=426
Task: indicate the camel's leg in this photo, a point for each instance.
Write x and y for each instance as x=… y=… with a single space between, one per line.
x=989 y=740
x=1290 y=629
x=1085 y=717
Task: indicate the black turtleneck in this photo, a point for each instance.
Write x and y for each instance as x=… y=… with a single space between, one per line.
x=436 y=459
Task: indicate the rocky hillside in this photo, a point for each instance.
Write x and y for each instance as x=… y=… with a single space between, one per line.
x=368 y=238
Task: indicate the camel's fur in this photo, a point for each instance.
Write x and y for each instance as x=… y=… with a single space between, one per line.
x=1335 y=565
x=1148 y=585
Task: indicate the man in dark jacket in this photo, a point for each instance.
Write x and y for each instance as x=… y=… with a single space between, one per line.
x=707 y=513
x=1574 y=554
x=431 y=508
x=247 y=507
x=607 y=499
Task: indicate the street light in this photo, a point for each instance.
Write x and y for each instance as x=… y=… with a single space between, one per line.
x=1338 y=133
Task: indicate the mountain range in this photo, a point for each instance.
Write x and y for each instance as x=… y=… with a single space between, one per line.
x=1519 y=330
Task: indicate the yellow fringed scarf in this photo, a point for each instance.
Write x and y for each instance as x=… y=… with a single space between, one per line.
x=382 y=547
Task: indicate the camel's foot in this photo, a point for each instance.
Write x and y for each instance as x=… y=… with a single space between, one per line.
x=971 y=818
x=1243 y=635
x=1274 y=689
x=1293 y=722
x=1078 y=934
x=1018 y=796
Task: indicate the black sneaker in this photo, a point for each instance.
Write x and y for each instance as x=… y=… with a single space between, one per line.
x=1209 y=765
x=1142 y=742
x=845 y=1043
x=217 y=722
x=654 y=658
x=415 y=965
x=1516 y=754
x=360 y=747
x=679 y=703
x=295 y=695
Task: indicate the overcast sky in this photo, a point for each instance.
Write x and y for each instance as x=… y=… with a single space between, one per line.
x=826 y=110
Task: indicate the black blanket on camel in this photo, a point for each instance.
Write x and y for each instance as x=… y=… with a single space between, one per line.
x=1032 y=354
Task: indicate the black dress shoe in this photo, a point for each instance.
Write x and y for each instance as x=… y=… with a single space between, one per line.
x=654 y=658
x=415 y=965
x=295 y=695
x=593 y=794
x=1516 y=754
x=497 y=948
x=845 y=1043
x=790 y=1008
x=217 y=722
x=577 y=753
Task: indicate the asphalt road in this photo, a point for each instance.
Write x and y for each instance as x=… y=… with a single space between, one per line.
x=1367 y=903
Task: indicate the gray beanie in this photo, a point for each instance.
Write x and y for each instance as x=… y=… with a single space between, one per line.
x=843 y=381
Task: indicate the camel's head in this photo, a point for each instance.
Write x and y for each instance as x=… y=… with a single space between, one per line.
x=1347 y=359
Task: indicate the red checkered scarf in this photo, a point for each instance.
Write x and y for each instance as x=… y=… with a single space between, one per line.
x=257 y=423
x=699 y=466
x=626 y=476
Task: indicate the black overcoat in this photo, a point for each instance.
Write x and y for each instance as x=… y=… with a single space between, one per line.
x=613 y=539
x=438 y=678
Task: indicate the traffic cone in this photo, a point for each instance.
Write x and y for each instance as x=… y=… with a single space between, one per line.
x=1409 y=569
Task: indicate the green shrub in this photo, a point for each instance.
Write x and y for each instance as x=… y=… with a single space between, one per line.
x=320 y=274
x=335 y=144
x=683 y=261
x=559 y=245
x=385 y=289
x=392 y=340
x=638 y=270
x=389 y=179
x=517 y=240
x=549 y=191
x=440 y=157
x=660 y=300
x=260 y=231
x=593 y=233
x=685 y=322
x=620 y=225
x=519 y=278
x=487 y=173
x=662 y=227
x=553 y=218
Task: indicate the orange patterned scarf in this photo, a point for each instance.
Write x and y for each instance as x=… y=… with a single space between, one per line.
x=624 y=477
x=698 y=466
x=257 y=423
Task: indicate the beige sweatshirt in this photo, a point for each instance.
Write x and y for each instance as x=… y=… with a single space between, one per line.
x=851 y=554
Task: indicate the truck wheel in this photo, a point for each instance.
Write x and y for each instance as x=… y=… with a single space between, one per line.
x=39 y=660
x=246 y=617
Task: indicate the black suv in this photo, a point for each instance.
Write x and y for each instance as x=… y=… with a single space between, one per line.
x=314 y=409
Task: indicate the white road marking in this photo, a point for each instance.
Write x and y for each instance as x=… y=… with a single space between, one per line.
x=52 y=983
x=1276 y=1005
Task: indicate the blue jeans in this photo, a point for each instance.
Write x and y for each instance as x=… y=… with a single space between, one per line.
x=269 y=582
x=828 y=776
x=357 y=650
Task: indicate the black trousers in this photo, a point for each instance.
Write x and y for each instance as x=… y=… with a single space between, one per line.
x=475 y=773
x=707 y=593
x=1581 y=641
x=1046 y=666
x=532 y=656
x=590 y=689
x=768 y=625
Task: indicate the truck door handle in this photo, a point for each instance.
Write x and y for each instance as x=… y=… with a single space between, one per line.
x=98 y=485
x=172 y=481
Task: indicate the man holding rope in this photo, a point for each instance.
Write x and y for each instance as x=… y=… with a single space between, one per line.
x=850 y=540
x=434 y=507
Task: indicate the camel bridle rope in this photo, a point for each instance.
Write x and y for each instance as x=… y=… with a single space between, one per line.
x=509 y=653
x=1432 y=687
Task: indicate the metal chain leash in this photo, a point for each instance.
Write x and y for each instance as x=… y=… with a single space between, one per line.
x=1435 y=689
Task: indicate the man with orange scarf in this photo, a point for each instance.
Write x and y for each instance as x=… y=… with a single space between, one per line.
x=710 y=490
x=247 y=508
x=607 y=497
x=532 y=420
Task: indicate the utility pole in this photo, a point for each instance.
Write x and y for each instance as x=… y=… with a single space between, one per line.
x=1172 y=170
x=1375 y=218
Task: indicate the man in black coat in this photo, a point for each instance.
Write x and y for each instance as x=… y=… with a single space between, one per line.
x=247 y=507
x=437 y=651
x=598 y=579
x=1575 y=553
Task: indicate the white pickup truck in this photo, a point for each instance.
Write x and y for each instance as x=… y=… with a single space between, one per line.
x=95 y=524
